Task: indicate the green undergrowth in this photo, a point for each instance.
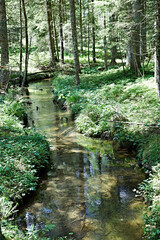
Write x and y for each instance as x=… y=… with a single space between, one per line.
x=117 y=105
x=23 y=153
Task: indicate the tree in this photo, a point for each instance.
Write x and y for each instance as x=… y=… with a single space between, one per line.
x=81 y=24
x=61 y=31
x=50 y=32
x=133 y=46
x=105 y=44
x=20 y=42
x=4 y=71
x=93 y=34
x=113 y=38
x=27 y=44
x=143 y=40
x=157 y=46
x=74 y=40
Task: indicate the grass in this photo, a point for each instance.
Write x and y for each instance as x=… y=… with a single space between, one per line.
x=117 y=105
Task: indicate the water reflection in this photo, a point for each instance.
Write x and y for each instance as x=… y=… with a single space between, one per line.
x=88 y=191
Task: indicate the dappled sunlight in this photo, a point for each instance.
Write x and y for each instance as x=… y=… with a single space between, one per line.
x=88 y=191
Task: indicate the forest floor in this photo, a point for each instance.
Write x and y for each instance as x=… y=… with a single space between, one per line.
x=116 y=104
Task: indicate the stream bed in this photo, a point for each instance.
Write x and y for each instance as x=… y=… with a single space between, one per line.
x=89 y=189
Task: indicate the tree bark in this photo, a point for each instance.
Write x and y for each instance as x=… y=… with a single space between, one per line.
x=105 y=44
x=81 y=24
x=74 y=40
x=136 y=36
x=157 y=46
x=20 y=42
x=88 y=38
x=56 y=40
x=143 y=43
x=61 y=31
x=93 y=35
x=27 y=45
x=50 y=32
x=133 y=45
x=113 y=39
x=4 y=71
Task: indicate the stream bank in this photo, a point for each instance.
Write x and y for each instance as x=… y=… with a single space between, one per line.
x=115 y=105
x=23 y=155
x=89 y=189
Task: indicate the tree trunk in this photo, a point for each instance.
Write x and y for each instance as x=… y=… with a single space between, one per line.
x=27 y=45
x=56 y=40
x=143 y=45
x=88 y=39
x=61 y=31
x=105 y=44
x=157 y=46
x=4 y=71
x=136 y=36
x=50 y=32
x=133 y=45
x=20 y=42
x=93 y=34
x=74 y=40
x=81 y=26
x=113 y=39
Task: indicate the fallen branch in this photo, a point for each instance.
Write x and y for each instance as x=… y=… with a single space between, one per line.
x=147 y=125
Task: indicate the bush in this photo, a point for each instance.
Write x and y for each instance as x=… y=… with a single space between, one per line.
x=23 y=153
x=150 y=189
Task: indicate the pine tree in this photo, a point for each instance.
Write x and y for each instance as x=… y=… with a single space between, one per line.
x=4 y=71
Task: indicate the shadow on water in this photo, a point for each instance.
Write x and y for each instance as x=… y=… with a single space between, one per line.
x=88 y=191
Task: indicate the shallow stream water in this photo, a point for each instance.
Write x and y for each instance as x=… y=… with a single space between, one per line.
x=89 y=190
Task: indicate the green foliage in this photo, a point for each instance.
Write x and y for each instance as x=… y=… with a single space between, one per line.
x=23 y=153
x=149 y=149
x=15 y=108
x=13 y=232
x=150 y=190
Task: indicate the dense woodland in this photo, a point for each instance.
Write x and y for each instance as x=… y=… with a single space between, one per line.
x=104 y=57
x=110 y=30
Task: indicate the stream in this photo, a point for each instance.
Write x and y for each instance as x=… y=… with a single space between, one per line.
x=89 y=189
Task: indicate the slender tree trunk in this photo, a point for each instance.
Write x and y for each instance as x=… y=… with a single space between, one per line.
x=93 y=35
x=61 y=31
x=20 y=42
x=129 y=54
x=56 y=39
x=88 y=39
x=81 y=25
x=74 y=40
x=143 y=45
x=113 y=55
x=4 y=71
x=136 y=36
x=50 y=32
x=157 y=46
x=133 y=46
x=27 y=45
x=113 y=39
x=105 y=44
